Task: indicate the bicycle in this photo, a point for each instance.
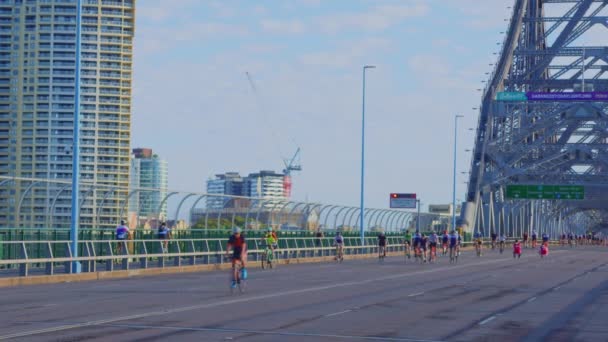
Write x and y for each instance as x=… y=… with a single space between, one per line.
x=454 y=254
x=433 y=254
x=240 y=277
x=407 y=251
x=381 y=253
x=268 y=257
x=501 y=247
x=478 y=249
x=339 y=253
x=418 y=254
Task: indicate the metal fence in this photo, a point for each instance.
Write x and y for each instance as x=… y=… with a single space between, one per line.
x=109 y=255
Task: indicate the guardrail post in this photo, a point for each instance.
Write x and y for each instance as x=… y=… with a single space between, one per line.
x=178 y=260
x=109 y=262
x=206 y=259
x=191 y=249
x=161 y=259
x=220 y=254
x=50 y=266
x=24 y=268
x=125 y=255
x=143 y=261
x=68 y=253
x=89 y=251
x=257 y=248
x=296 y=251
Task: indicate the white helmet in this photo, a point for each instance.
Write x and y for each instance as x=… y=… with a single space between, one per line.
x=236 y=230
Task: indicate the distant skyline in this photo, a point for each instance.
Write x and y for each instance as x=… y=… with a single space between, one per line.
x=194 y=106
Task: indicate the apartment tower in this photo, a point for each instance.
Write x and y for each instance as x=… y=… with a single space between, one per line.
x=38 y=89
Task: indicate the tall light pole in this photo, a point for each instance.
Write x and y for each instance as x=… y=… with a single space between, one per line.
x=454 y=179
x=76 y=147
x=418 y=216
x=362 y=214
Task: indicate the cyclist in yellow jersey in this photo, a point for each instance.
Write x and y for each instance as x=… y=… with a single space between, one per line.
x=270 y=239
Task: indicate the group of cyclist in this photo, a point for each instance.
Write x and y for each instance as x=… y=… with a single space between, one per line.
x=424 y=247
x=589 y=239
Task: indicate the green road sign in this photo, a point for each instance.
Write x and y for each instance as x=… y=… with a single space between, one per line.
x=511 y=96
x=548 y=192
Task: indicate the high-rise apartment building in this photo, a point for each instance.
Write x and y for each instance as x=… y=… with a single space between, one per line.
x=38 y=89
x=149 y=182
x=230 y=183
x=264 y=184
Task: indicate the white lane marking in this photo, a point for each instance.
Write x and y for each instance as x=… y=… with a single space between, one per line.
x=489 y=319
x=557 y=288
x=531 y=299
x=416 y=294
x=338 y=313
x=275 y=333
x=243 y=300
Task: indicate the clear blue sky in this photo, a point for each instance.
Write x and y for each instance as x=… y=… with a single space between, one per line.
x=194 y=106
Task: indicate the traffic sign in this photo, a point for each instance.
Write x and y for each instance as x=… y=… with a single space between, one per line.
x=511 y=96
x=403 y=201
x=548 y=192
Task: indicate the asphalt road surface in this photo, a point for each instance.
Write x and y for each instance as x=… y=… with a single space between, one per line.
x=563 y=297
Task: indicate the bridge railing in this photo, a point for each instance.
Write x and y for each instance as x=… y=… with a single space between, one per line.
x=110 y=255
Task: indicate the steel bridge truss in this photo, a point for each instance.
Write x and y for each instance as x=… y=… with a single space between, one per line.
x=550 y=47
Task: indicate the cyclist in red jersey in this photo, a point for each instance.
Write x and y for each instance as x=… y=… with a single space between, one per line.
x=238 y=246
x=516 y=249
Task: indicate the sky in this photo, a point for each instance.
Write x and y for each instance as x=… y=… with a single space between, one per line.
x=195 y=107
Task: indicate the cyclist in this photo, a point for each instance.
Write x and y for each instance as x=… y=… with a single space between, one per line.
x=454 y=245
x=545 y=239
x=494 y=236
x=407 y=243
x=478 y=243
x=562 y=240
x=381 y=245
x=544 y=250
x=238 y=246
x=423 y=246
x=525 y=237
x=534 y=236
x=417 y=241
x=517 y=249
x=339 y=243
x=571 y=239
x=164 y=234
x=445 y=238
x=501 y=242
x=433 y=238
x=122 y=233
x=271 y=242
x=276 y=238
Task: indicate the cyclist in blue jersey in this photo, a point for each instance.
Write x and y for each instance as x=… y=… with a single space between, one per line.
x=416 y=244
x=445 y=239
x=454 y=245
x=122 y=233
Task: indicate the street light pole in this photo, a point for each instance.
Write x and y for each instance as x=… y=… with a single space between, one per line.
x=362 y=213
x=76 y=147
x=418 y=217
x=454 y=179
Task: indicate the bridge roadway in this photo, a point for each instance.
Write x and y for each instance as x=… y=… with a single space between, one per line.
x=493 y=298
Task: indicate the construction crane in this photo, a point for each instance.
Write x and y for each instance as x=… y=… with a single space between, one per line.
x=291 y=164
